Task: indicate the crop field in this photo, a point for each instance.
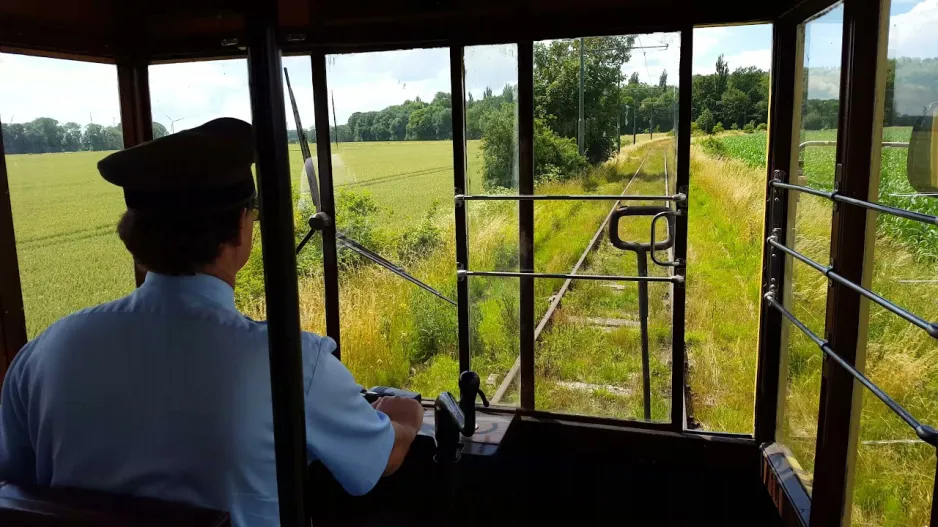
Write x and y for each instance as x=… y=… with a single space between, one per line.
x=894 y=472
x=395 y=173
x=396 y=334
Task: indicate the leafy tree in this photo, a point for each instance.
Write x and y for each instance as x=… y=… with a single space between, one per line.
x=557 y=82
x=94 y=138
x=71 y=137
x=718 y=128
x=722 y=74
x=633 y=79
x=663 y=79
x=160 y=131
x=735 y=106
x=705 y=121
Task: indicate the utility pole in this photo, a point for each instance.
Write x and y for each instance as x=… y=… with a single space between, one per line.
x=634 y=119
x=580 y=123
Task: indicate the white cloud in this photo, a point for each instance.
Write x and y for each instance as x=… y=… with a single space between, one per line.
x=913 y=34
x=63 y=89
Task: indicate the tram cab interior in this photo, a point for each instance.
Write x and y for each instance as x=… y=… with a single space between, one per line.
x=515 y=461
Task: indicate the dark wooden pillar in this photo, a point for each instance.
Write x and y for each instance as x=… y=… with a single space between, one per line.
x=136 y=118
x=12 y=315
x=863 y=48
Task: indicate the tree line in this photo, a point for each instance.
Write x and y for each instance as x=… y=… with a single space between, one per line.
x=46 y=135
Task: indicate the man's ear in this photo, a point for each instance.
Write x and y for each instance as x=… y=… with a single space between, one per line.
x=245 y=227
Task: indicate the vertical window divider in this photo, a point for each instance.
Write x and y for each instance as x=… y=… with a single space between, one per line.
x=330 y=257
x=679 y=290
x=526 y=218
x=12 y=314
x=460 y=187
x=787 y=49
x=133 y=86
x=864 y=48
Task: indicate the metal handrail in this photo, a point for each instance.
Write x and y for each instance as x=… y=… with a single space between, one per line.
x=924 y=432
x=568 y=197
x=676 y=279
x=929 y=327
x=837 y=197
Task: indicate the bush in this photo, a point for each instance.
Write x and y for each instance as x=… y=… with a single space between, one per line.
x=734 y=126
x=762 y=127
x=555 y=157
x=418 y=242
x=356 y=217
x=705 y=121
x=714 y=147
x=750 y=127
x=694 y=129
x=718 y=128
x=812 y=121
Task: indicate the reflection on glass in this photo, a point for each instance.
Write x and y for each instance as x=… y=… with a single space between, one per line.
x=894 y=470
x=809 y=220
x=392 y=157
x=64 y=214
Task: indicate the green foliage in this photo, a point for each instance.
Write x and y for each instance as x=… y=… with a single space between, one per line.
x=750 y=127
x=555 y=157
x=714 y=146
x=418 y=242
x=160 y=131
x=358 y=221
x=556 y=89
x=705 y=121
x=45 y=135
x=718 y=128
x=734 y=126
x=762 y=127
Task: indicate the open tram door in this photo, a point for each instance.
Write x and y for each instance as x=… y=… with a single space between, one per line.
x=523 y=463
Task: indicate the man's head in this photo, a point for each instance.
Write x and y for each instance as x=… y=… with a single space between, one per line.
x=190 y=199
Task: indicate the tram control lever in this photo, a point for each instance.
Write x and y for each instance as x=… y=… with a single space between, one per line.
x=452 y=418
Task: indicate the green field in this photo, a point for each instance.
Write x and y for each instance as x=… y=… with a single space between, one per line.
x=894 y=471
x=395 y=334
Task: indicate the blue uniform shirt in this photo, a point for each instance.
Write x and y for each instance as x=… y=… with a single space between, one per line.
x=165 y=393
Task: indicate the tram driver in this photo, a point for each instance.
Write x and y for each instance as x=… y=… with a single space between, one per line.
x=165 y=393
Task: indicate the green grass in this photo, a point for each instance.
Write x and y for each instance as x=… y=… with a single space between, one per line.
x=415 y=173
x=395 y=334
x=893 y=481
x=64 y=216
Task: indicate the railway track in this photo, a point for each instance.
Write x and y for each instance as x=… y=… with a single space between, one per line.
x=556 y=300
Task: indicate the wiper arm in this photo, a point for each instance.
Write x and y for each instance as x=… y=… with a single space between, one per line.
x=318 y=221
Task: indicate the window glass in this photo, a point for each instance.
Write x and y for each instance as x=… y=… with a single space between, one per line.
x=392 y=155
x=298 y=88
x=894 y=470
x=591 y=354
x=64 y=214
x=727 y=188
x=491 y=77
x=189 y=94
x=809 y=220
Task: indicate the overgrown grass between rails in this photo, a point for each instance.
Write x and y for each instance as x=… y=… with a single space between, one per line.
x=394 y=333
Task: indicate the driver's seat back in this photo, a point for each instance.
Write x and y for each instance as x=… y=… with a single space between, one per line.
x=55 y=507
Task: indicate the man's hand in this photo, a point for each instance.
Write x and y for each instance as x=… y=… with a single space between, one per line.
x=401 y=410
x=406 y=417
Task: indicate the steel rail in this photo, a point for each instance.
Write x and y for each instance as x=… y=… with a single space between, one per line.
x=555 y=302
x=924 y=432
x=928 y=327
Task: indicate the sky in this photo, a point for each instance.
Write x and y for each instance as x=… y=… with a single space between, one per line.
x=189 y=94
